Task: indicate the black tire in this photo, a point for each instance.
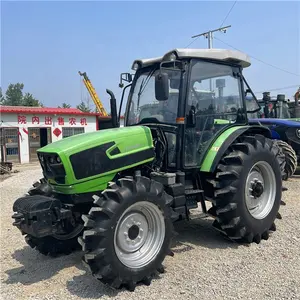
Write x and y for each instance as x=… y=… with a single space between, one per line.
x=101 y=223
x=49 y=245
x=232 y=215
x=53 y=247
x=290 y=159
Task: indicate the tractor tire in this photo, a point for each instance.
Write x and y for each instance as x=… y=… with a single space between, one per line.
x=290 y=159
x=120 y=247
x=53 y=247
x=247 y=189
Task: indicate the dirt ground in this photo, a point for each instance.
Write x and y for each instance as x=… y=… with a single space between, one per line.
x=205 y=265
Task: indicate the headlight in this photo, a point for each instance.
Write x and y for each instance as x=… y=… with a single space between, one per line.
x=53 y=159
x=298 y=133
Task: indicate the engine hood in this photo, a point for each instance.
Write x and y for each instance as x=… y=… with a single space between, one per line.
x=126 y=138
x=87 y=162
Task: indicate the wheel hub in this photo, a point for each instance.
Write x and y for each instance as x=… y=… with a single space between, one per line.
x=132 y=233
x=257 y=188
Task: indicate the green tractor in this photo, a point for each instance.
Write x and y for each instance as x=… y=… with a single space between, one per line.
x=117 y=192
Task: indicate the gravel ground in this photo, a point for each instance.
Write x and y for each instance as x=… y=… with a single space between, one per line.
x=205 y=265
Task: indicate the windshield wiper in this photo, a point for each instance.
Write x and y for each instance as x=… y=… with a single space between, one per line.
x=144 y=84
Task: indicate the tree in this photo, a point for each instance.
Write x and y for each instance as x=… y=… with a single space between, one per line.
x=29 y=100
x=83 y=107
x=65 y=105
x=14 y=96
x=1 y=96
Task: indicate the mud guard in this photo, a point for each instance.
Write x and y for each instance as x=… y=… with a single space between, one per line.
x=224 y=140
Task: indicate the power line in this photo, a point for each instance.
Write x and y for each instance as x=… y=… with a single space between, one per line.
x=228 y=13
x=207 y=33
x=192 y=42
x=275 y=67
x=278 y=89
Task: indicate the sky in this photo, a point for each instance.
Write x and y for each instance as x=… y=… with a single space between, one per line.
x=45 y=43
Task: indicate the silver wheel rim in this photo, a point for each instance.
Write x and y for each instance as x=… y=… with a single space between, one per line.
x=139 y=234
x=260 y=190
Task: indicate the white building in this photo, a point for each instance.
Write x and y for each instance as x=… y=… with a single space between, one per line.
x=25 y=129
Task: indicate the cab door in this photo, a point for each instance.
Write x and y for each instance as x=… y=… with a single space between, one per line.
x=214 y=99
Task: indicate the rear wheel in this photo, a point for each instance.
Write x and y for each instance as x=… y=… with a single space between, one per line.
x=290 y=159
x=247 y=189
x=128 y=232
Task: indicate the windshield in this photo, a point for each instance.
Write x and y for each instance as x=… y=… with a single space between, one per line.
x=145 y=107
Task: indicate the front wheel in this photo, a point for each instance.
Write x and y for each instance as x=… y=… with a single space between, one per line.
x=56 y=245
x=247 y=189
x=128 y=232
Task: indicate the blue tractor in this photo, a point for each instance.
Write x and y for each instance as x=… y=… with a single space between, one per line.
x=276 y=114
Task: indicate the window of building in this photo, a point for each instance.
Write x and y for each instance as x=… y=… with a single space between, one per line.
x=69 y=131
x=10 y=140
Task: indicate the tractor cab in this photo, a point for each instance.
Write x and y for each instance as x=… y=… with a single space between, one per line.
x=192 y=96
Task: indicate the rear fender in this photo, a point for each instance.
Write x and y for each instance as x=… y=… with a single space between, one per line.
x=224 y=140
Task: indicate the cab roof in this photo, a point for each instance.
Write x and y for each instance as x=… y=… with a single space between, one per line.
x=231 y=56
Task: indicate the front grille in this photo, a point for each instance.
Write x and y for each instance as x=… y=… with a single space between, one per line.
x=51 y=168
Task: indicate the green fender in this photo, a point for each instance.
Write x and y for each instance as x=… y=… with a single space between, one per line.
x=224 y=140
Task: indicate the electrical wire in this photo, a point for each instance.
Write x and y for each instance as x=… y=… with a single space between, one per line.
x=266 y=63
x=192 y=42
x=220 y=25
x=228 y=13
x=278 y=89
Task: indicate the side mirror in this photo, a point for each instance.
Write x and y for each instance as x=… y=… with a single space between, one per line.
x=162 y=87
x=125 y=77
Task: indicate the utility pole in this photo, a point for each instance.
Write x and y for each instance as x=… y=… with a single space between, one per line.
x=209 y=36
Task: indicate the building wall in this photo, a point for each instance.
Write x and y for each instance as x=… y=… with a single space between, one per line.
x=55 y=122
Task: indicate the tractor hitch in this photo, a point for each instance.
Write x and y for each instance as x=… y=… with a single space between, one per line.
x=39 y=215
